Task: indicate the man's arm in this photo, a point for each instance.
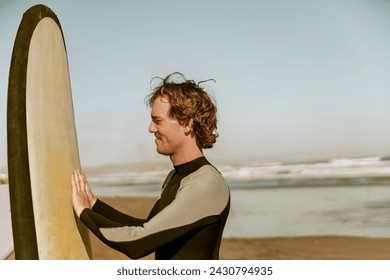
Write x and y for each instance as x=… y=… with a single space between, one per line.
x=195 y=206
x=114 y=215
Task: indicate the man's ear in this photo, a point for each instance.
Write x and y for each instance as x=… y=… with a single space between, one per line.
x=189 y=126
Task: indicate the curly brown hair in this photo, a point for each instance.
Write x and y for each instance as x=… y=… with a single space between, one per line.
x=189 y=102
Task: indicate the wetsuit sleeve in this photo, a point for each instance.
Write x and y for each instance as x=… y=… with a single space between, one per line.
x=195 y=206
x=114 y=215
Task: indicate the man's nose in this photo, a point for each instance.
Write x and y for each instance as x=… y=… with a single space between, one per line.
x=152 y=128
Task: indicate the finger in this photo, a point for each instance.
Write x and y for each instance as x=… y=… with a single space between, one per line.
x=72 y=180
x=76 y=181
x=80 y=181
x=75 y=194
x=88 y=190
x=75 y=186
x=91 y=197
x=85 y=182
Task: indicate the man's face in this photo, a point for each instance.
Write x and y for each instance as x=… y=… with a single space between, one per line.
x=170 y=135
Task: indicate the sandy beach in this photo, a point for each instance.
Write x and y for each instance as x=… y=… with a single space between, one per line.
x=278 y=248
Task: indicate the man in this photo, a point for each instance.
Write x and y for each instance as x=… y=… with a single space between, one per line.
x=188 y=219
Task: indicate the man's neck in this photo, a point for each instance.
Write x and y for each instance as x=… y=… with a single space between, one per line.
x=182 y=158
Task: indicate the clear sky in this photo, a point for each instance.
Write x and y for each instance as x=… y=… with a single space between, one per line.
x=295 y=80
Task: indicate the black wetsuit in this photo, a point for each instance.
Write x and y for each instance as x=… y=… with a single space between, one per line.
x=185 y=223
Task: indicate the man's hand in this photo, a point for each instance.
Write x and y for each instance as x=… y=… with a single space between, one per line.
x=82 y=196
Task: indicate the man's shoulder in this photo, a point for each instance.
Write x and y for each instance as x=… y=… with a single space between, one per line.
x=206 y=182
x=208 y=169
x=206 y=174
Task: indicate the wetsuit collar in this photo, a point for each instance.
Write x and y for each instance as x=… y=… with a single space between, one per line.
x=191 y=166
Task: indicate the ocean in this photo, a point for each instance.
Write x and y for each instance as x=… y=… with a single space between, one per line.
x=345 y=197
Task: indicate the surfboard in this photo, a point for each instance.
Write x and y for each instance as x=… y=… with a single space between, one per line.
x=42 y=143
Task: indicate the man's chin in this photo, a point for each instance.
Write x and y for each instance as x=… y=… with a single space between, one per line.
x=161 y=151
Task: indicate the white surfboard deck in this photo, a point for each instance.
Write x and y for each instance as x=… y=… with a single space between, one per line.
x=52 y=144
